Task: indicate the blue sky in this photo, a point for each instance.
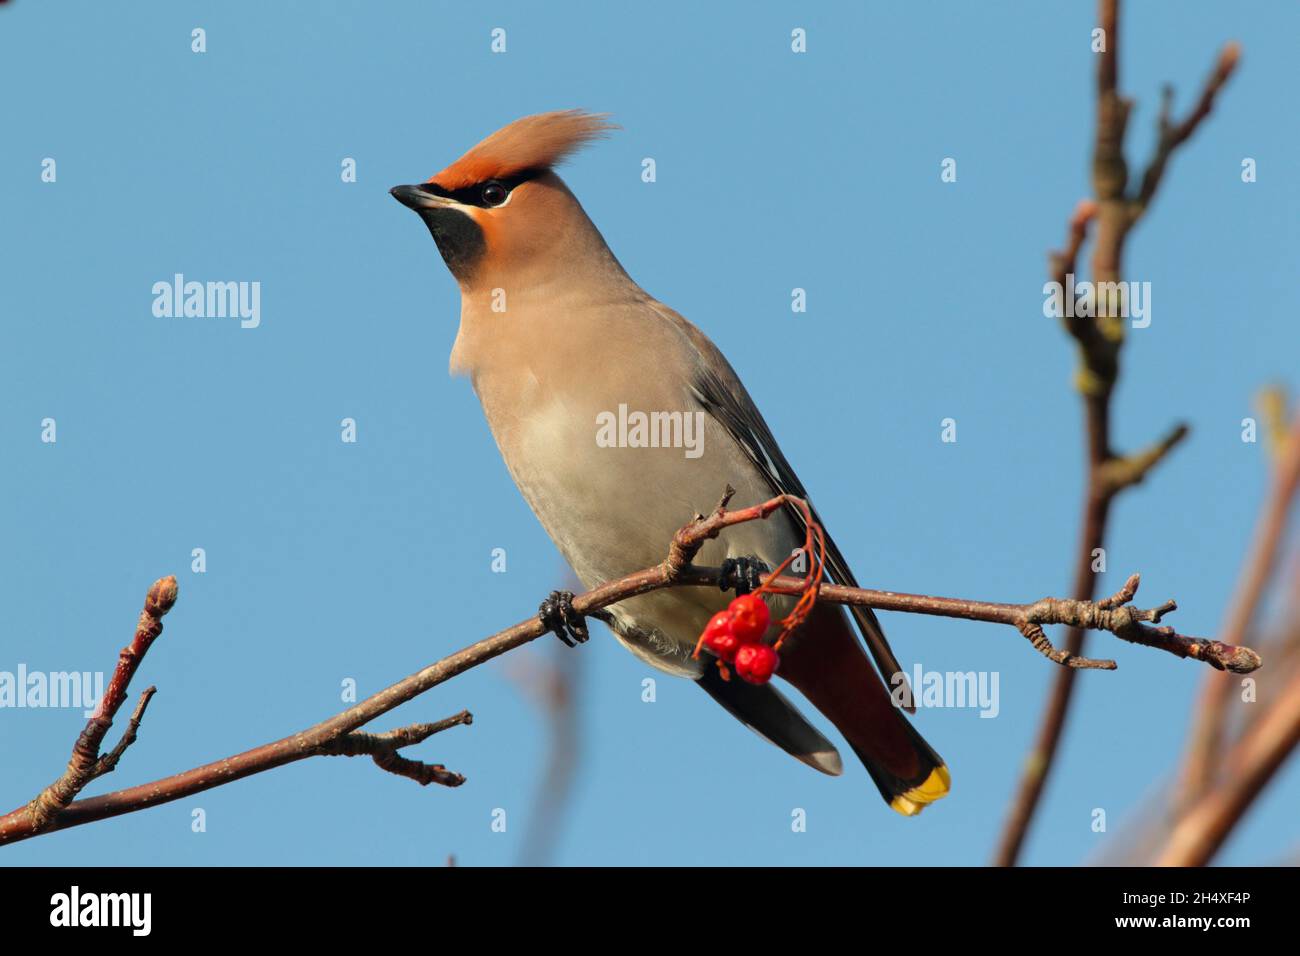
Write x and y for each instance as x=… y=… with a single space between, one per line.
x=328 y=561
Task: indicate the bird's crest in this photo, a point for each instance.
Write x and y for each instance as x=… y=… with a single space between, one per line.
x=534 y=142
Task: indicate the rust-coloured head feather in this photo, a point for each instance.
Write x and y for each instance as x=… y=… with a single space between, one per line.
x=534 y=142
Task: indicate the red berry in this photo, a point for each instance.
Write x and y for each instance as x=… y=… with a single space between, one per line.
x=749 y=618
x=720 y=636
x=720 y=623
x=757 y=663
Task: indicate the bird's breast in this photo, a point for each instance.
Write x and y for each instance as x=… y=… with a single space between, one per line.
x=613 y=453
x=612 y=473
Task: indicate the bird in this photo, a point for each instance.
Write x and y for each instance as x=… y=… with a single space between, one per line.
x=559 y=344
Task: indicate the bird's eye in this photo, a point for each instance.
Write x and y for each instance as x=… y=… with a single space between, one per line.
x=494 y=194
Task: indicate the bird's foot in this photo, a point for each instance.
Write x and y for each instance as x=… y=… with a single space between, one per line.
x=741 y=575
x=558 y=616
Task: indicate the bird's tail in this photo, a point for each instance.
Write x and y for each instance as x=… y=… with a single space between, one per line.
x=828 y=666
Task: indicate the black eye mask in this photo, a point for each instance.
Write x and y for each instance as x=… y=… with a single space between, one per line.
x=474 y=195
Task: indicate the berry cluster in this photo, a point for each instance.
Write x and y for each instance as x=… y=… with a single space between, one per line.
x=735 y=636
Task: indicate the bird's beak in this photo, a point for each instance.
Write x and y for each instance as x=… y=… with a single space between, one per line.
x=452 y=225
x=420 y=198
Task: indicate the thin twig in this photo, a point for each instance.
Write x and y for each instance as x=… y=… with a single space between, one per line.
x=383 y=749
x=1171 y=135
x=86 y=763
x=108 y=762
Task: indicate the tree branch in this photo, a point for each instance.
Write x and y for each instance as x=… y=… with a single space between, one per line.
x=336 y=735
x=1202 y=828
x=554 y=684
x=1100 y=339
x=1206 y=739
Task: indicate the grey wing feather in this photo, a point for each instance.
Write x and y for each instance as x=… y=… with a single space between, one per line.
x=767 y=712
x=721 y=393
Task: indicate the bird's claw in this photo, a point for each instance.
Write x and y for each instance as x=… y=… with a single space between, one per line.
x=558 y=616
x=741 y=575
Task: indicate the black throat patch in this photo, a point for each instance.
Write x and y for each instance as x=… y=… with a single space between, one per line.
x=459 y=239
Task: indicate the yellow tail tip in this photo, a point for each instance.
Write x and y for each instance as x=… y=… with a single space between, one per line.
x=935 y=787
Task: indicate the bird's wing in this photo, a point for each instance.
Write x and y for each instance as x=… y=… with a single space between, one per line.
x=719 y=390
x=766 y=711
